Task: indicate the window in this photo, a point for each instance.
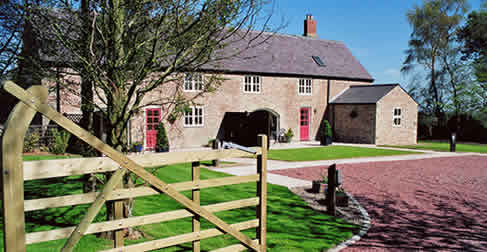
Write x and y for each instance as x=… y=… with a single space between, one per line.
x=193 y=117
x=318 y=61
x=396 y=117
x=193 y=82
x=252 y=84
x=304 y=86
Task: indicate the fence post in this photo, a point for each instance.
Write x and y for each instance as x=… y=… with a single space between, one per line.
x=262 y=192
x=331 y=197
x=196 y=200
x=13 y=172
x=118 y=208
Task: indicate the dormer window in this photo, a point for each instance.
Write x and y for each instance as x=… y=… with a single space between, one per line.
x=193 y=82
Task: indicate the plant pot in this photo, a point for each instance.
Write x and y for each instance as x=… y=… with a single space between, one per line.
x=328 y=140
x=319 y=186
x=138 y=148
x=162 y=149
x=325 y=140
x=341 y=199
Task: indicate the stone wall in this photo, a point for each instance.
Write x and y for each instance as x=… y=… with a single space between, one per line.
x=279 y=94
x=389 y=134
x=354 y=123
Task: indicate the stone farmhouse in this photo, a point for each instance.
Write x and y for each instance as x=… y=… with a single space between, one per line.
x=288 y=82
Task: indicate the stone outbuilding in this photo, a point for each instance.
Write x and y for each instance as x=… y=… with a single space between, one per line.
x=374 y=114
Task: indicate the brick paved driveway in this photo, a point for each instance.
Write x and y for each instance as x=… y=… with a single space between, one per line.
x=436 y=204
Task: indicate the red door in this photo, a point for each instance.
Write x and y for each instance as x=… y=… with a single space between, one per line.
x=304 y=124
x=152 y=119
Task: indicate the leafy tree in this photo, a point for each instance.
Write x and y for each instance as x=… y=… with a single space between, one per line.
x=473 y=36
x=432 y=46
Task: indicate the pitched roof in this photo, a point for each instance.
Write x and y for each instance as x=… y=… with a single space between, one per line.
x=283 y=54
x=269 y=53
x=363 y=94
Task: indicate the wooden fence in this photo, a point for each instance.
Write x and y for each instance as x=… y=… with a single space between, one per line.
x=15 y=172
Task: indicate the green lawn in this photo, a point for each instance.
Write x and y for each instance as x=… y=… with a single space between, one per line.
x=46 y=157
x=330 y=153
x=445 y=146
x=292 y=225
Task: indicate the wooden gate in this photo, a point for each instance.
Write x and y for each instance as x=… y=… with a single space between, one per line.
x=14 y=172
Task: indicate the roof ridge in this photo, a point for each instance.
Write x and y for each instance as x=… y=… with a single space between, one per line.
x=377 y=85
x=298 y=36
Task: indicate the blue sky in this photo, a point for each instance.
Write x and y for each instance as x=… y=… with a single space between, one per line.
x=376 y=31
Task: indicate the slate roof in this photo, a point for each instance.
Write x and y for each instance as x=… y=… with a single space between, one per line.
x=363 y=94
x=282 y=54
x=271 y=53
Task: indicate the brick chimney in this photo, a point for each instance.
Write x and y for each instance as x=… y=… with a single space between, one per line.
x=310 y=26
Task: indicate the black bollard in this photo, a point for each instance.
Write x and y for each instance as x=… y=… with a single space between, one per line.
x=453 y=142
x=331 y=197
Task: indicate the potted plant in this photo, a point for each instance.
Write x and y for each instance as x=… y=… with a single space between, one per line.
x=341 y=198
x=138 y=146
x=162 y=143
x=289 y=135
x=326 y=133
x=320 y=186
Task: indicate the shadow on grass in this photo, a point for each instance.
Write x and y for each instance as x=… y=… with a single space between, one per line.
x=455 y=224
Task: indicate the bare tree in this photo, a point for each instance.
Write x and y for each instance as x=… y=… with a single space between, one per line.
x=124 y=50
x=131 y=48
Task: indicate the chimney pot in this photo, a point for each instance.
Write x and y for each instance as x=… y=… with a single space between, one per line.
x=310 y=26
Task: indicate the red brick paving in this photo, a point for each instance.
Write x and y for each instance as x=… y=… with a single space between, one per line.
x=437 y=204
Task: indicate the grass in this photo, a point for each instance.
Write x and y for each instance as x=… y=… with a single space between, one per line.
x=445 y=146
x=292 y=225
x=331 y=153
x=46 y=157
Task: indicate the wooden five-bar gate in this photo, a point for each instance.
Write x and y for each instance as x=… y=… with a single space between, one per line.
x=15 y=172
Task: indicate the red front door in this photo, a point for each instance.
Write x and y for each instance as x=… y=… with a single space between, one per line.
x=304 y=123
x=152 y=119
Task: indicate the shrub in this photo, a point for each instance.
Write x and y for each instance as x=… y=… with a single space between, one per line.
x=326 y=129
x=210 y=142
x=289 y=135
x=61 y=143
x=31 y=141
x=162 y=143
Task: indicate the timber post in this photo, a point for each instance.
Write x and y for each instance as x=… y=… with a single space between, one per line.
x=196 y=199
x=262 y=193
x=13 y=172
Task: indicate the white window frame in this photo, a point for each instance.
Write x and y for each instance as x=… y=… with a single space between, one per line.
x=305 y=86
x=193 y=84
x=191 y=119
x=397 y=116
x=252 y=84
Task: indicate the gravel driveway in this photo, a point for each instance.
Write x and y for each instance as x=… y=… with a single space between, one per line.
x=436 y=204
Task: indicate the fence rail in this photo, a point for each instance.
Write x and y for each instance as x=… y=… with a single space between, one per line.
x=16 y=172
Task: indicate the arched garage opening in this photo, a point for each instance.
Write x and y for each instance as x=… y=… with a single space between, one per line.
x=267 y=122
x=243 y=127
